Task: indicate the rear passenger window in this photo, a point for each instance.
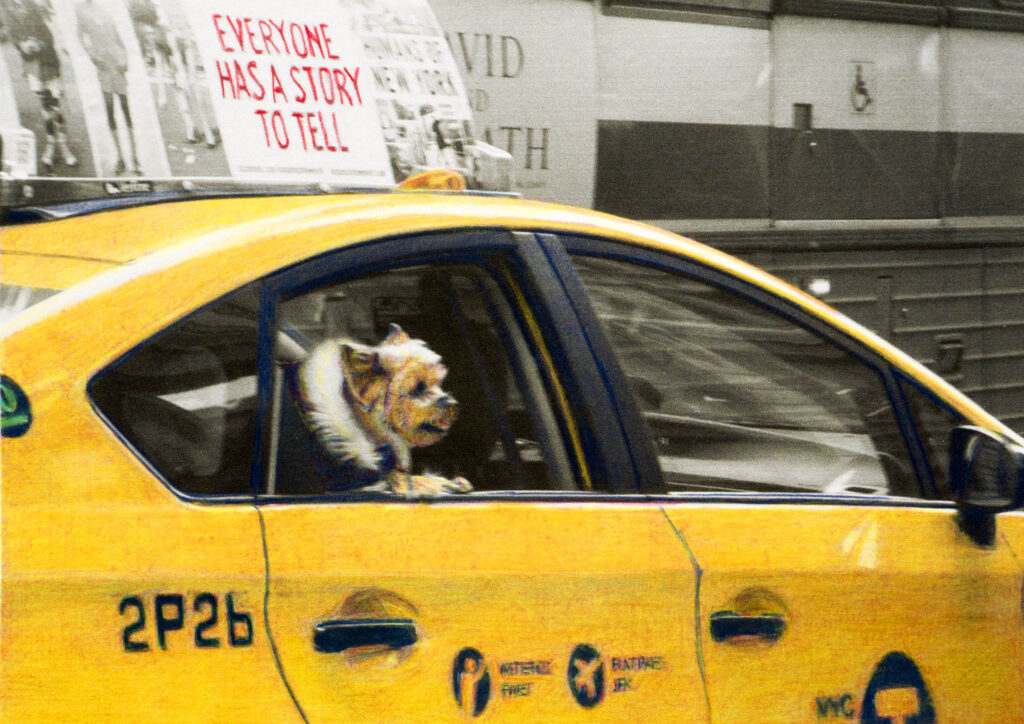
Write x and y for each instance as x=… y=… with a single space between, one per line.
x=332 y=431
x=738 y=398
x=186 y=399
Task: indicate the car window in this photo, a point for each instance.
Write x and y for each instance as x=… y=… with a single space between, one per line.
x=15 y=298
x=186 y=399
x=504 y=435
x=935 y=424
x=738 y=397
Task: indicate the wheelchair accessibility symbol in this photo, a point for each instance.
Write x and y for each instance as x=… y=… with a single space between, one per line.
x=860 y=88
x=897 y=694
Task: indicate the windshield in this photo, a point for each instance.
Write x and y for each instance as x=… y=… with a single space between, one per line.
x=15 y=299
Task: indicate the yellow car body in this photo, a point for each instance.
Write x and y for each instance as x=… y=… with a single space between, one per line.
x=125 y=598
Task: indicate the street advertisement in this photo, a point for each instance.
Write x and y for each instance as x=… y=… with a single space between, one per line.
x=353 y=93
x=544 y=53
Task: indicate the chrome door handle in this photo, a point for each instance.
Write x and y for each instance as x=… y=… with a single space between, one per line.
x=727 y=625
x=331 y=637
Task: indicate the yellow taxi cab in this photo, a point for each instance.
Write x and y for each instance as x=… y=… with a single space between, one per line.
x=698 y=494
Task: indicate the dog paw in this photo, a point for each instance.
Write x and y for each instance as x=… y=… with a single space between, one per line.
x=426 y=486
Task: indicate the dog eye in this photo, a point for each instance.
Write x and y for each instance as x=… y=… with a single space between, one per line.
x=419 y=390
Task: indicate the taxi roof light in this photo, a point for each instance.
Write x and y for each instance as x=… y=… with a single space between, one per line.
x=436 y=179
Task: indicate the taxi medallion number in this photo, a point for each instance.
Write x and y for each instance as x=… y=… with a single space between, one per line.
x=169 y=614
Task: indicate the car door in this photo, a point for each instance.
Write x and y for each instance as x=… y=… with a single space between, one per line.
x=133 y=569
x=547 y=594
x=834 y=582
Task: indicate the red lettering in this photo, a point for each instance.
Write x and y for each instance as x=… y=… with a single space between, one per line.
x=224 y=72
x=312 y=83
x=252 y=37
x=293 y=29
x=280 y=31
x=240 y=84
x=339 y=82
x=237 y=31
x=355 y=84
x=266 y=130
x=338 y=135
x=326 y=87
x=267 y=33
x=252 y=75
x=327 y=42
x=313 y=38
x=275 y=86
x=301 y=98
x=278 y=120
x=323 y=128
x=220 y=33
x=314 y=131
x=301 y=119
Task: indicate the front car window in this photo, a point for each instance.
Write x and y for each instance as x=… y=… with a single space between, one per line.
x=739 y=398
x=934 y=423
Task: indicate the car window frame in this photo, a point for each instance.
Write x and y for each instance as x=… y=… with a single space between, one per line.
x=145 y=459
x=599 y=451
x=603 y=247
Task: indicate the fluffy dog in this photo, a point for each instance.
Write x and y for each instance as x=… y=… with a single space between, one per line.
x=368 y=407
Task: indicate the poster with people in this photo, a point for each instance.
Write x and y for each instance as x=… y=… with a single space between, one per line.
x=358 y=93
x=422 y=103
x=39 y=90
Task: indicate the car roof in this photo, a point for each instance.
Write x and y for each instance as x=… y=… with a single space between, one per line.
x=154 y=237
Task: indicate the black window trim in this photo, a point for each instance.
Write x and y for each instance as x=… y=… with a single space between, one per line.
x=468 y=245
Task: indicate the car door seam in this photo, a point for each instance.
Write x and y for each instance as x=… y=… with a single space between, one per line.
x=1020 y=565
x=696 y=608
x=266 y=616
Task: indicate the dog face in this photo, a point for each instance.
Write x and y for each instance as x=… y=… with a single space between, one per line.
x=398 y=383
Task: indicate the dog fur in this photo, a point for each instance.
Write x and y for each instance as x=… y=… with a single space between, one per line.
x=368 y=407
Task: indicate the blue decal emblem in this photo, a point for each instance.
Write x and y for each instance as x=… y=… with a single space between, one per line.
x=586 y=675
x=15 y=413
x=897 y=693
x=471 y=682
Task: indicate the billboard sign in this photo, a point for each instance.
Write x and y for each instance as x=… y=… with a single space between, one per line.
x=355 y=93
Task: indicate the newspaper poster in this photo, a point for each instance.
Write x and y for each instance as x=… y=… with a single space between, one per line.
x=360 y=93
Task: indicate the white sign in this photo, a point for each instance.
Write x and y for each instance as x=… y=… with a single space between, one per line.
x=359 y=93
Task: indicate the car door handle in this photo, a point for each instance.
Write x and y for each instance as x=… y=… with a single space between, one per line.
x=331 y=637
x=731 y=625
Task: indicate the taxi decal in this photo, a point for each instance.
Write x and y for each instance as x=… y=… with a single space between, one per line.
x=471 y=682
x=897 y=693
x=520 y=678
x=15 y=411
x=633 y=666
x=169 y=615
x=586 y=676
x=840 y=706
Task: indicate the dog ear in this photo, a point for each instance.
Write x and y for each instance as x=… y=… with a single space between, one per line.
x=396 y=335
x=363 y=372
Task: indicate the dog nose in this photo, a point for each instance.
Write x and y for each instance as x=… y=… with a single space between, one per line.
x=449 y=404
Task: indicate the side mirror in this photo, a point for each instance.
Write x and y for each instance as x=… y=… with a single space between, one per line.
x=986 y=473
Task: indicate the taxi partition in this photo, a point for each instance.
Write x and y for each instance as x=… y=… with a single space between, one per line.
x=153 y=95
